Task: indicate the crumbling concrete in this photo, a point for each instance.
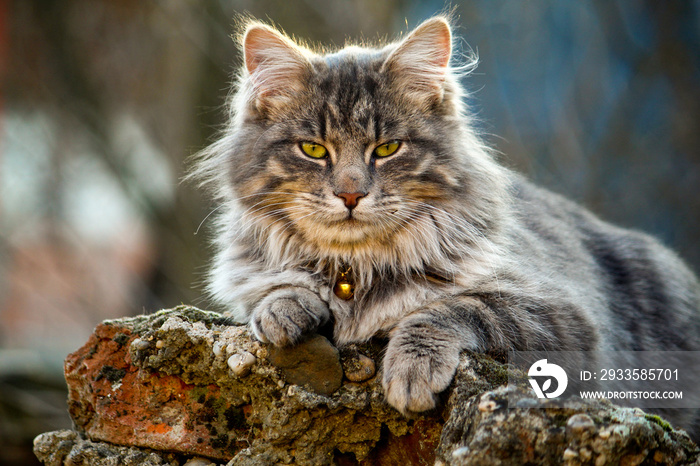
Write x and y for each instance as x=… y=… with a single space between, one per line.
x=186 y=386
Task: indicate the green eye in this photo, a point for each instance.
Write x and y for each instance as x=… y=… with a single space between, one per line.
x=314 y=150
x=385 y=150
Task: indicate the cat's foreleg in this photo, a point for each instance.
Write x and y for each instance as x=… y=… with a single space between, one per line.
x=280 y=306
x=288 y=313
x=423 y=351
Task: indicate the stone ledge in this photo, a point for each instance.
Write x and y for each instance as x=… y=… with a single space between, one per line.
x=186 y=386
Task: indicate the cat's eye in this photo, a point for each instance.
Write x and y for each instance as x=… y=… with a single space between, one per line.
x=317 y=151
x=385 y=150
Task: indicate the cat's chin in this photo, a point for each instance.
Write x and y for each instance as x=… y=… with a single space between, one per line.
x=348 y=233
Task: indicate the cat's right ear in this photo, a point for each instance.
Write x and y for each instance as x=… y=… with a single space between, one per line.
x=276 y=66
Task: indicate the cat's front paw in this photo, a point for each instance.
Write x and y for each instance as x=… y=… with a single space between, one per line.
x=416 y=371
x=287 y=314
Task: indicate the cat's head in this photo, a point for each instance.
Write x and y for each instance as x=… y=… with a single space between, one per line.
x=359 y=153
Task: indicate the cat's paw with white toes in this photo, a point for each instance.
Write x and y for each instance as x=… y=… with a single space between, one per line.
x=286 y=315
x=415 y=373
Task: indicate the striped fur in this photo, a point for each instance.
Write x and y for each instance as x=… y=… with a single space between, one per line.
x=448 y=249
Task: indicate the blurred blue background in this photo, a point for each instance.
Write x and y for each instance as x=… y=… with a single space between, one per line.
x=103 y=101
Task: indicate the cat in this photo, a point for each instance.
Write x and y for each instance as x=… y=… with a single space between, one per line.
x=354 y=192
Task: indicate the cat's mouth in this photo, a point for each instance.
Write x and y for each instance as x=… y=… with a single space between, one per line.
x=349 y=229
x=349 y=221
x=346 y=218
x=355 y=220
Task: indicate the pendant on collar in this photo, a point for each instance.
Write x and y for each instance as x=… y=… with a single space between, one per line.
x=344 y=287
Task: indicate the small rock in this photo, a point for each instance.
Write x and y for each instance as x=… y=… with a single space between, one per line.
x=460 y=452
x=358 y=367
x=218 y=349
x=240 y=363
x=633 y=460
x=140 y=345
x=314 y=363
x=570 y=454
x=579 y=423
x=486 y=404
x=198 y=462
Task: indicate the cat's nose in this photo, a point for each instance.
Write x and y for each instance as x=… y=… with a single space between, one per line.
x=350 y=199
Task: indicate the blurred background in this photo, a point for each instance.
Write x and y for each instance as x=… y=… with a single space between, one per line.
x=102 y=102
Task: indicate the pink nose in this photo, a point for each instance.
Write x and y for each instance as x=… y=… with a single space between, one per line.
x=350 y=198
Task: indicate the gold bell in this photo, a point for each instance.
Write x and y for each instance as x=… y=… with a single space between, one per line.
x=344 y=289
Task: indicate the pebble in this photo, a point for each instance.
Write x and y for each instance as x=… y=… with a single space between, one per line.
x=460 y=452
x=579 y=423
x=198 y=462
x=313 y=363
x=218 y=349
x=139 y=344
x=240 y=363
x=359 y=368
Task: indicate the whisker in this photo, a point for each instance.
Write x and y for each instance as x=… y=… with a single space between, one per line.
x=205 y=218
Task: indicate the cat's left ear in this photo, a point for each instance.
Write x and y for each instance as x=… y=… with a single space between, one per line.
x=420 y=62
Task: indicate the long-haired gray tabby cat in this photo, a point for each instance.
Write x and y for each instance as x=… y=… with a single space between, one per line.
x=354 y=193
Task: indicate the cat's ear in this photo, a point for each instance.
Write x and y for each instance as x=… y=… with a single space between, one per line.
x=420 y=62
x=275 y=64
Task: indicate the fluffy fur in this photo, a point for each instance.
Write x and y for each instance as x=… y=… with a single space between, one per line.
x=448 y=250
